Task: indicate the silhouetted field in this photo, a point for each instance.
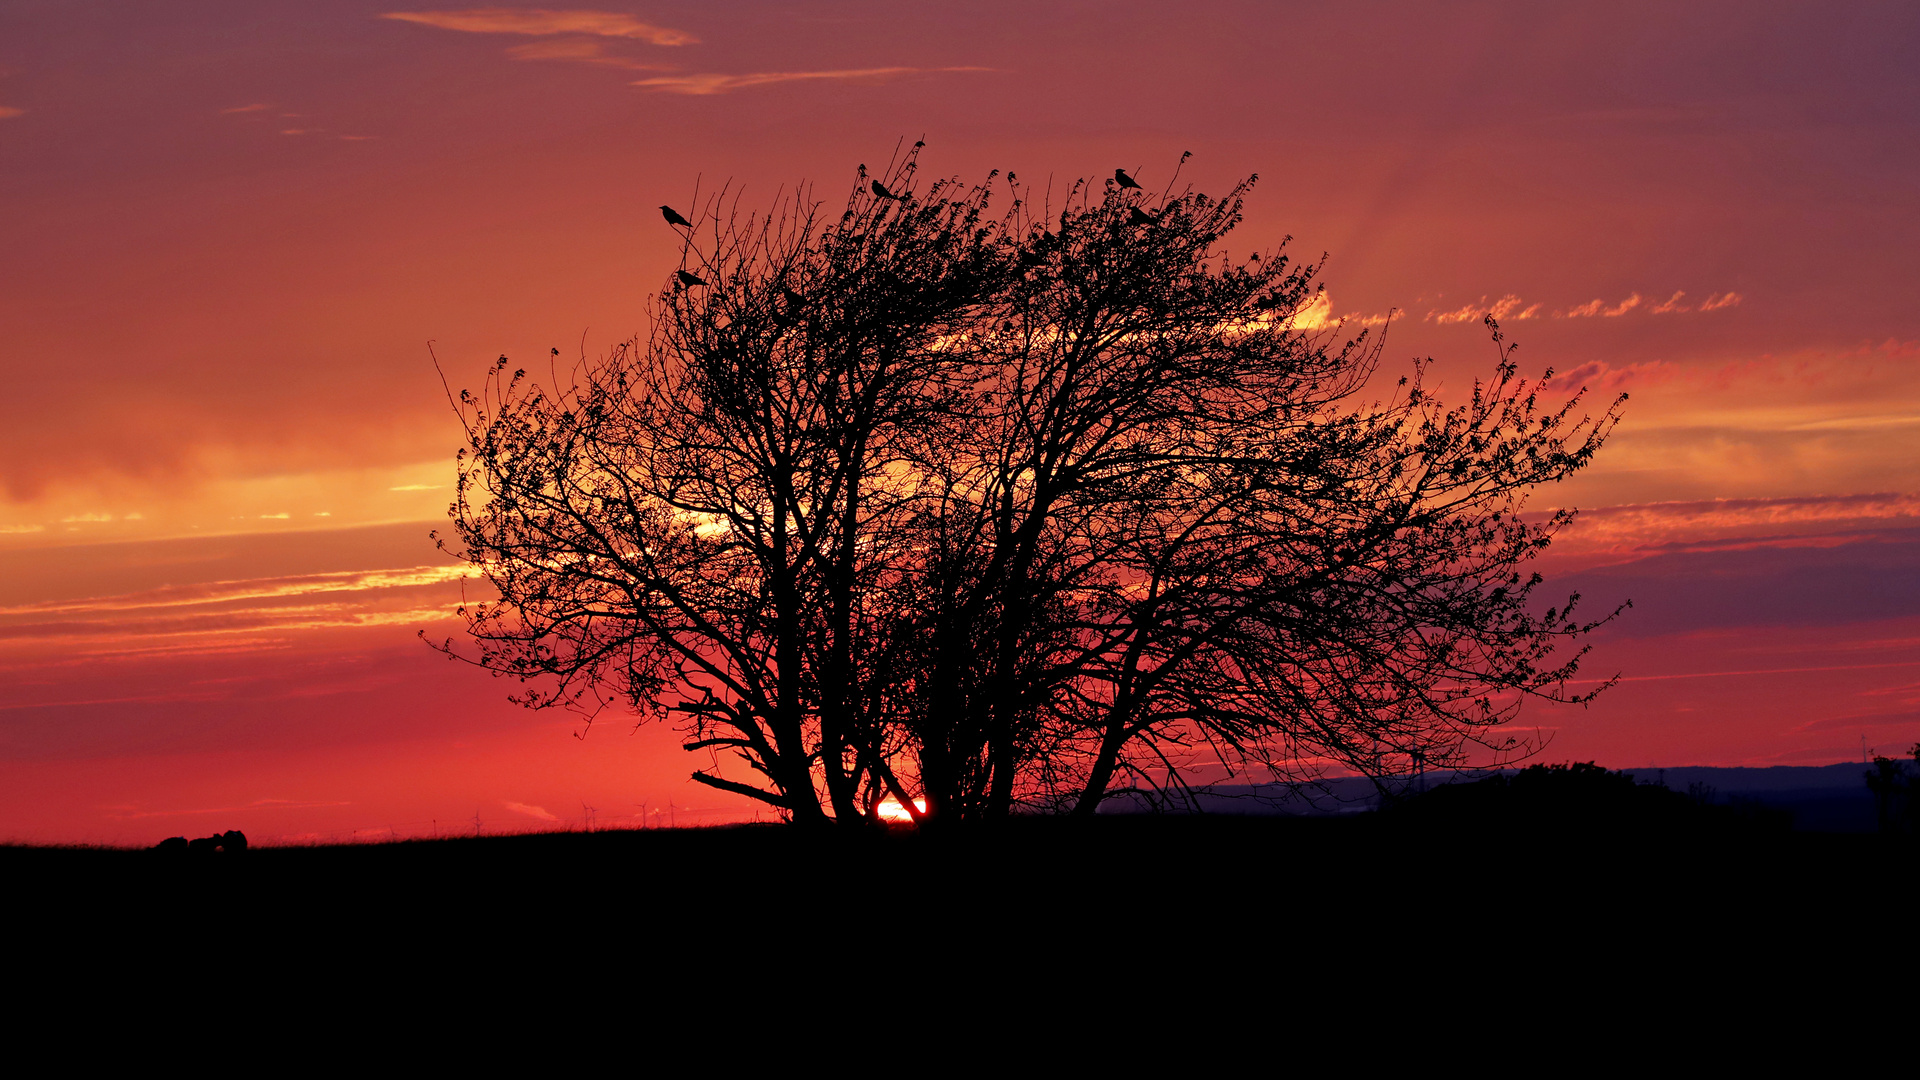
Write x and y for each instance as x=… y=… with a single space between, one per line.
x=1464 y=870
x=1036 y=924
x=1555 y=889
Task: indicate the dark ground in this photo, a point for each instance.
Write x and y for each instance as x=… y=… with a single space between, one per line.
x=1134 y=924
x=1304 y=881
x=1561 y=910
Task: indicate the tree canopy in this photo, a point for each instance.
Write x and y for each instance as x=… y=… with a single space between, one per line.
x=959 y=513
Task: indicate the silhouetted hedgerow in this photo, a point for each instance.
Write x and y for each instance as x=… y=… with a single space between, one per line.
x=231 y=842
x=1580 y=796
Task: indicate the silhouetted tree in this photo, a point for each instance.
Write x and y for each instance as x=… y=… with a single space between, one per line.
x=1014 y=512
x=707 y=514
x=1892 y=787
x=1166 y=538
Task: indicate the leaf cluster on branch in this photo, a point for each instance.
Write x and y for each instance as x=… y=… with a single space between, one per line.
x=960 y=514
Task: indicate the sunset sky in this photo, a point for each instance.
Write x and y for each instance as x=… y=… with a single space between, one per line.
x=229 y=231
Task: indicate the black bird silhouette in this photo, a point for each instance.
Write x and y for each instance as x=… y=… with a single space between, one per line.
x=556 y=352
x=1135 y=217
x=689 y=279
x=881 y=190
x=787 y=312
x=1124 y=180
x=673 y=217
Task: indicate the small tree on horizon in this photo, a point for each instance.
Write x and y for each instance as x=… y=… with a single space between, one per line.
x=1892 y=785
x=992 y=513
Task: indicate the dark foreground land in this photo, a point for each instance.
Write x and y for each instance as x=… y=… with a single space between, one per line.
x=1445 y=881
x=1158 y=933
x=1571 y=899
x=1143 y=927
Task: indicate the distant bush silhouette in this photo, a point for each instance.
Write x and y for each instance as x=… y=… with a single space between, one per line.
x=1580 y=796
x=231 y=842
x=1893 y=785
x=909 y=506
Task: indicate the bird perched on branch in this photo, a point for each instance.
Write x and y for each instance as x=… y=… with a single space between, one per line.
x=787 y=312
x=881 y=190
x=1135 y=216
x=673 y=217
x=1120 y=176
x=689 y=280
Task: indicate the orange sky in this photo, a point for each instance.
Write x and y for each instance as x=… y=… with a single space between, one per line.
x=228 y=231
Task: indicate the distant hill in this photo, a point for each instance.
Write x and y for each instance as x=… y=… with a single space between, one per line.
x=1821 y=798
x=1850 y=776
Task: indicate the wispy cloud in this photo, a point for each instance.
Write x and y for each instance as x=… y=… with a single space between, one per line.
x=1599 y=307
x=1883 y=366
x=257 y=804
x=1622 y=307
x=1878 y=504
x=1600 y=375
x=713 y=83
x=1318 y=314
x=8 y=112
x=213 y=625
x=541 y=22
x=231 y=646
x=578 y=29
x=1749 y=672
x=539 y=812
x=1672 y=305
x=1858 y=423
x=1724 y=524
x=133 y=699
x=262 y=111
x=1909 y=720
x=417 y=487
x=579 y=51
x=221 y=592
x=1506 y=309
